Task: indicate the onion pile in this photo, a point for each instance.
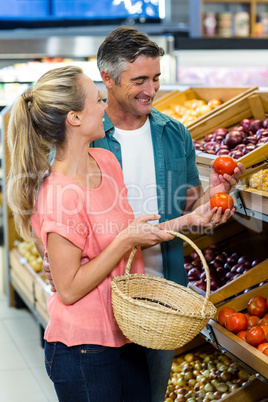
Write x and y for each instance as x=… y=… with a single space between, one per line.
x=238 y=141
x=204 y=377
x=224 y=266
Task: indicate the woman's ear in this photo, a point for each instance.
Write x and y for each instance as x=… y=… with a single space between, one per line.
x=73 y=118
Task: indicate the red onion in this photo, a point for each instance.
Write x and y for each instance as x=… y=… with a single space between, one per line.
x=236 y=154
x=220 y=130
x=256 y=125
x=233 y=138
x=265 y=123
x=201 y=284
x=246 y=123
x=209 y=137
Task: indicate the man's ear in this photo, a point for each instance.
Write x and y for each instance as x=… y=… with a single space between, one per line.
x=73 y=118
x=107 y=80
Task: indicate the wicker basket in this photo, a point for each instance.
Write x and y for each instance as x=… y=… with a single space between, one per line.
x=158 y=313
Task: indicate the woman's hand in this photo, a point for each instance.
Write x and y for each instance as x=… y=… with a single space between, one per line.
x=141 y=233
x=47 y=271
x=224 y=183
x=204 y=216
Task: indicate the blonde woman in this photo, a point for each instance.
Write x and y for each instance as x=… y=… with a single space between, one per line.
x=79 y=210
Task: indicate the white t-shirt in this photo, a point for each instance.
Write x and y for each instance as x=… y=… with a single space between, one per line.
x=139 y=176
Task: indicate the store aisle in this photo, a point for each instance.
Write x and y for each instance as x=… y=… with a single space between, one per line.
x=22 y=373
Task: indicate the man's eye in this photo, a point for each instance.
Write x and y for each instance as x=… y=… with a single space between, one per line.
x=139 y=82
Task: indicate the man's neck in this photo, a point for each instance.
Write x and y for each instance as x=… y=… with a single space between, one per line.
x=124 y=120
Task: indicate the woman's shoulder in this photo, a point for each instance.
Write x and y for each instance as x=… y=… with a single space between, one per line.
x=104 y=155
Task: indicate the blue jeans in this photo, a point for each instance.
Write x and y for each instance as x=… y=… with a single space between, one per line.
x=159 y=364
x=94 y=373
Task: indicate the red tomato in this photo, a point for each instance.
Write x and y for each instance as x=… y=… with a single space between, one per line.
x=257 y=306
x=223 y=314
x=223 y=200
x=225 y=164
x=253 y=320
x=255 y=336
x=265 y=330
x=263 y=321
x=262 y=346
x=236 y=322
x=265 y=351
x=242 y=335
x=265 y=315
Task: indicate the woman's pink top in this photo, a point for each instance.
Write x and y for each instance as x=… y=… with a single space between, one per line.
x=90 y=219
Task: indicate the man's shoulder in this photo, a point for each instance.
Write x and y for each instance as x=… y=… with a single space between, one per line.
x=169 y=123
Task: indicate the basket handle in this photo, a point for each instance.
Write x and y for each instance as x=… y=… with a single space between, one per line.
x=189 y=241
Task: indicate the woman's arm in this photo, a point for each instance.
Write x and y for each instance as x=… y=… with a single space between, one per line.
x=202 y=216
x=73 y=280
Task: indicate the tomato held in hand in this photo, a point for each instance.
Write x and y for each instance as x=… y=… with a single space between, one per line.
x=225 y=164
x=236 y=322
x=257 y=306
x=255 y=336
x=222 y=200
x=223 y=314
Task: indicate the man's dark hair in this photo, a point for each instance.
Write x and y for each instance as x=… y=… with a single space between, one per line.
x=122 y=46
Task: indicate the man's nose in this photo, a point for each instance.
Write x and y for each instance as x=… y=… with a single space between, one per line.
x=151 y=88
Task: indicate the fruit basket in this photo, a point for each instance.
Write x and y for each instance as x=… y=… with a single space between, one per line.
x=193 y=104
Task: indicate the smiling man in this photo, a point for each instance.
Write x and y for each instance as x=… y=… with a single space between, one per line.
x=157 y=156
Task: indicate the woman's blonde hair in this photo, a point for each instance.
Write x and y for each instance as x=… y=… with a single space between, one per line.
x=36 y=124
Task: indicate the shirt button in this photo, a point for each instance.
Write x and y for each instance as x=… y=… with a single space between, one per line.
x=116 y=148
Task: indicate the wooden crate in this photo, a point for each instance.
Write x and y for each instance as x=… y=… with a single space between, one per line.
x=254 y=105
x=234 y=236
x=42 y=291
x=43 y=312
x=252 y=391
x=22 y=275
x=254 y=200
x=232 y=343
x=226 y=95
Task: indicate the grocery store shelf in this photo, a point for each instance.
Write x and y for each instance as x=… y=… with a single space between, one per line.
x=182 y=43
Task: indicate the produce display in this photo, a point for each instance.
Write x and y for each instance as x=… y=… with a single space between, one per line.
x=191 y=110
x=224 y=266
x=237 y=141
x=259 y=180
x=204 y=377
x=250 y=325
x=28 y=251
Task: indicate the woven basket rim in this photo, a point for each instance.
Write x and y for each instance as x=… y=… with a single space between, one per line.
x=210 y=309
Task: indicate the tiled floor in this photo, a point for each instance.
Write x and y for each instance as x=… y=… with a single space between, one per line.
x=23 y=376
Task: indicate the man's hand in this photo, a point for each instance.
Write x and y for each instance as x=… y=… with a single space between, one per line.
x=46 y=269
x=224 y=183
